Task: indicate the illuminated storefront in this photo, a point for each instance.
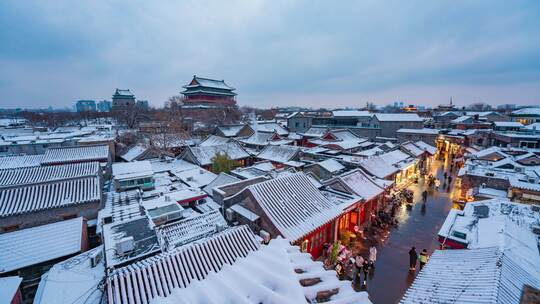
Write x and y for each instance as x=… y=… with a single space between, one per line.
x=407 y=174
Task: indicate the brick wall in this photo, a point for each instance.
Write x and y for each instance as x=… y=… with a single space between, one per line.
x=88 y=211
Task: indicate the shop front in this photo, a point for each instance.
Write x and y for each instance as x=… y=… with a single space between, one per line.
x=407 y=175
x=313 y=243
x=451 y=144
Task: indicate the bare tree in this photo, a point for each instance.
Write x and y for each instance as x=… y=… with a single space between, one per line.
x=130 y=115
x=479 y=107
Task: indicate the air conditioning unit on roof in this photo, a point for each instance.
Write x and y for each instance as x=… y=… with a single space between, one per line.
x=125 y=245
x=95 y=258
x=265 y=236
x=229 y=215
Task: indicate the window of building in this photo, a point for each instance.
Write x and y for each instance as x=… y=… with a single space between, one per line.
x=460 y=235
x=304 y=246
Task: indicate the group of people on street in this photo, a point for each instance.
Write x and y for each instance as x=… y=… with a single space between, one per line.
x=414 y=258
x=433 y=182
x=363 y=265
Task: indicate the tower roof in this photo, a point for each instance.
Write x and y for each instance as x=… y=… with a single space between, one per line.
x=123 y=92
x=208 y=83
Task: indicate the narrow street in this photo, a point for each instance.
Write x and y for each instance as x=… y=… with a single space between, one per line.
x=417 y=227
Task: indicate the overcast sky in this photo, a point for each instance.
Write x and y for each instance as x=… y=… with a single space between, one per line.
x=276 y=53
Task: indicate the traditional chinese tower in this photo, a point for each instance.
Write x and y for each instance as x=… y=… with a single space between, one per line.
x=211 y=93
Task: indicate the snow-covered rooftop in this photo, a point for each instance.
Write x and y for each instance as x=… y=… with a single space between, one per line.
x=222 y=179
x=426 y=147
x=132 y=170
x=513 y=124
x=412 y=149
x=27 y=247
x=200 y=272
x=365 y=186
x=263 y=139
x=271 y=127
x=534 y=126
x=461 y=119
x=486 y=275
x=32 y=175
x=398 y=117
x=9 y=287
x=210 y=83
x=145 y=241
x=351 y=113
x=293 y=204
x=394 y=157
x=73 y=281
x=279 y=154
x=179 y=268
x=505 y=224
x=121 y=206
x=315 y=132
x=331 y=165
x=37 y=197
x=171 y=165
x=378 y=166
x=133 y=153
x=420 y=131
x=213 y=140
x=342 y=139
x=195 y=177
x=180 y=233
x=248 y=172
x=230 y=130
x=272 y=274
x=20 y=161
x=76 y=154
x=205 y=154
x=527 y=111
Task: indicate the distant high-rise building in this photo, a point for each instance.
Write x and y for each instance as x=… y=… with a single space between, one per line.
x=104 y=106
x=123 y=97
x=85 y=105
x=508 y=106
x=208 y=93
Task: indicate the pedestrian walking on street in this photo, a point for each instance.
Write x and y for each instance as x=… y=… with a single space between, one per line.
x=445 y=175
x=413 y=257
x=424 y=195
x=365 y=269
x=339 y=269
x=372 y=256
x=449 y=180
x=423 y=258
x=358 y=264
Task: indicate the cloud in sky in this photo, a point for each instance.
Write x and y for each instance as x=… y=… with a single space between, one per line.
x=275 y=53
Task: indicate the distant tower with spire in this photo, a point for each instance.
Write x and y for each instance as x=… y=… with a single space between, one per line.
x=447 y=107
